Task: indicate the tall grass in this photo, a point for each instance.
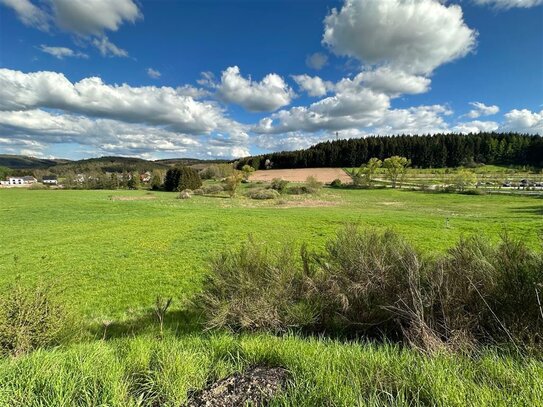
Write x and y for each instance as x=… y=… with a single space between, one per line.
x=375 y=283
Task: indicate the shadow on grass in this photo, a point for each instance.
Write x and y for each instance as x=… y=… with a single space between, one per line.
x=177 y=322
x=532 y=210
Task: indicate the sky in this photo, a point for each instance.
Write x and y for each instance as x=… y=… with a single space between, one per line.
x=230 y=78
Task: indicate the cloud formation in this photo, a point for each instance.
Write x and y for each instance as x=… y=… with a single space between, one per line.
x=480 y=109
x=507 y=4
x=153 y=73
x=316 y=61
x=414 y=36
x=62 y=52
x=271 y=93
x=313 y=85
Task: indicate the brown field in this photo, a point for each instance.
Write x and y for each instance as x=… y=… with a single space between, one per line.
x=326 y=175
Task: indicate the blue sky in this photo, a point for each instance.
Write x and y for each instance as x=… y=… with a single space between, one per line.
x=157 y=78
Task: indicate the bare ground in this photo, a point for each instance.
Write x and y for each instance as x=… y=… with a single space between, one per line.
x=325 y=175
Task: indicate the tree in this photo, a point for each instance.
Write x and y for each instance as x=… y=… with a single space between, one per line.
x=370 y=168
x=356 y=174
x=247 y=170
x=156 y=180
x=133 y=181
x=396 y=168
x=171 y=181
x=463 y=179
x=233 y=182
x=188 y=179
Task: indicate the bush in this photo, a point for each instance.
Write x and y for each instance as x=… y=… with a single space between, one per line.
x=279 y=184
x=198 y=191
x=336 y=183
x=300 y=190
x=185 y=194
x=263 y=194
x=179 y=179
x=212 y=189
x=375 y=283
x=312 y=183
x=29 y=319
x=37 y=186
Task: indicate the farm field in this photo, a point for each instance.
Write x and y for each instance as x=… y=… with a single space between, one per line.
x=109 y=254
x=325 y=175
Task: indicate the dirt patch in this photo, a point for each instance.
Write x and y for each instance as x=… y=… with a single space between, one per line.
x=308 y=203
x=255 y=387
x=133 y=198
x=325 y=175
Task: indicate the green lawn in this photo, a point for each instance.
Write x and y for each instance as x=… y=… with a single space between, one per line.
x=108 y=259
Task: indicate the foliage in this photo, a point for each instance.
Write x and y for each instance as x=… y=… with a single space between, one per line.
x=232 y=183
x=463 y=179
x=30 y=318
x=156 y=180
x=336 y=183
x=185 y=194
x=279 y=184
x=377 y=284
x=179 y=179
x=396 y=168
x=300 y=190
x=263 y=194
x=312 y=183
x=436 y=151
x=217 y=171
x=247 y=170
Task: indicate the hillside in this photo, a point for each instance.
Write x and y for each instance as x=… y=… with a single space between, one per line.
x=20 y=162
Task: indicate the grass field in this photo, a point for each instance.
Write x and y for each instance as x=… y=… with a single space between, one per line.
x=108 y=254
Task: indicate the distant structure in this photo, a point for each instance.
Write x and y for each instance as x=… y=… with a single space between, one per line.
x=50 y=180
x=26 y=180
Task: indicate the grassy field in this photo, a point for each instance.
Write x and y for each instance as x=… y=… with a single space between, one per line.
x=108 y=254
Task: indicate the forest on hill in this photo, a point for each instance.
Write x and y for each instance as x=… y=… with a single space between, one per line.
x=436 y=151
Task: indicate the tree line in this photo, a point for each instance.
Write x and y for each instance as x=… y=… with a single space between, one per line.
x=426 y=151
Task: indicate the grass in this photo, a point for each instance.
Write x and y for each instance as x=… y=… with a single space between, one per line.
x=108 y=260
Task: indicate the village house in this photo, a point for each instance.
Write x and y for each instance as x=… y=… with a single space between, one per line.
x=26 y=180
x=50 y=180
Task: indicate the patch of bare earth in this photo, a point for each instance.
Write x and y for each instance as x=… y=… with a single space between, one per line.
x=133 y=198
x=255 y=387
x=325 y=175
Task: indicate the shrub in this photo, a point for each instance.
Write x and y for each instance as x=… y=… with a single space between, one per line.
x=279 y=184
x=185 y=194
x=179 y=179
x=336 y=183
x=29 y=319
x=263 y=194
x=299 y=190
x=198 y=191
x=232 y=183
x=312 y=183
x=212 y=189
x=37 y=186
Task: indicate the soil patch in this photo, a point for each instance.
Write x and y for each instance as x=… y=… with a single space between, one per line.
x=325 y=175
x=133 y=198
x=255 y=387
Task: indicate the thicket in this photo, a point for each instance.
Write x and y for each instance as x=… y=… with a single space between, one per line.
x=181 y=178
x=426 y=151
x=376 y=284
x=30 y=318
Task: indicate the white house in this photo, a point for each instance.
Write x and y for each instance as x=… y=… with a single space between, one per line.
x=26 y=180
x=50 y=180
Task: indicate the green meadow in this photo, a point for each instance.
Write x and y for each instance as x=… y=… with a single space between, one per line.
x=108 y=254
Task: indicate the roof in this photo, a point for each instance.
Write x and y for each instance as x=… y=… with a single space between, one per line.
x=28 y=178
x=50 y=178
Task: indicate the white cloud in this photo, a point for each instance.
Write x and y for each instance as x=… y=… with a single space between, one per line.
x=62 y=52
x=316 y=61
x=269 y=94
x=392 y=82
x=476 y=126
x=414 y=120
x=28 y=13
x=507 y=4
x=482 y=110
x=414 y=36
x=107 y=48
x=524 y=121
x=94 y=17
x=313 y=85
x=91 y=96
x=153 y=73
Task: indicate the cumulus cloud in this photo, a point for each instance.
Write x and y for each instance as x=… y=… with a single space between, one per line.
x=414 y=36
x=388 y=81
x=62 y=52
x=475 y=126
x=91 y=96
x=271 y=93
x=316 y=61
x=28 y=13
x=524 y=121
x=414 y=120
x=94 y=17
x=153 y=73
x=480 y=109
x=313 y=85
x=507 y=4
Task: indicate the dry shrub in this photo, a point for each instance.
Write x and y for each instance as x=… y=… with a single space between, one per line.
x=29 y=319
x=263 y=194
x=376 y=284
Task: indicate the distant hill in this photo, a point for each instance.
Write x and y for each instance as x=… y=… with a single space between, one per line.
x=21 y=162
